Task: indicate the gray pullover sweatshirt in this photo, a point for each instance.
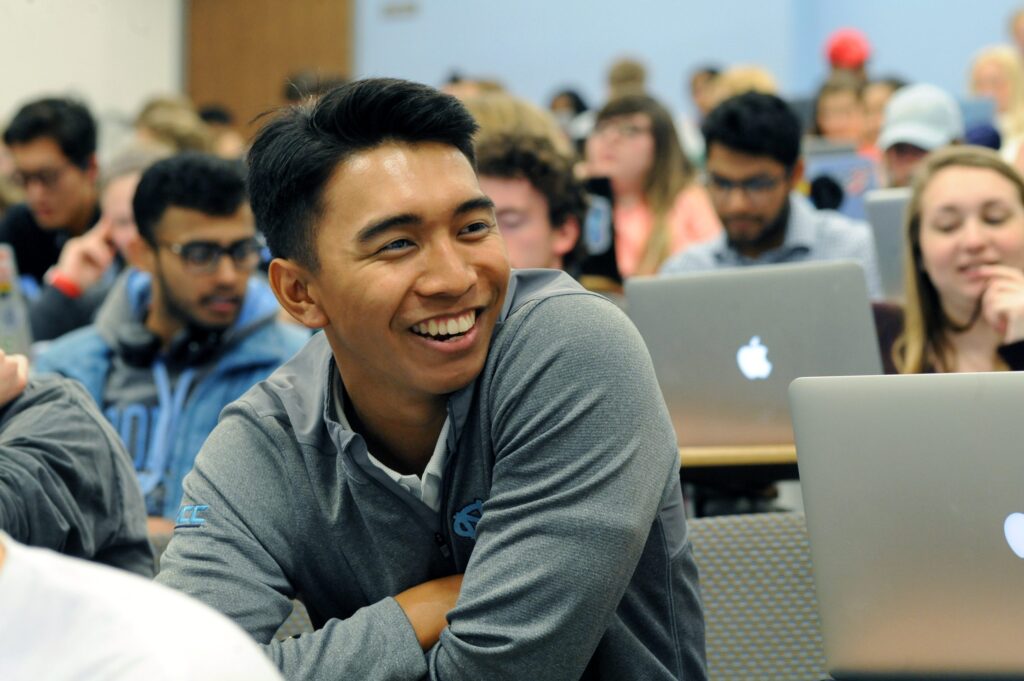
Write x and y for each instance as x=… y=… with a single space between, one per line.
x=561 y=504
x=66 y=482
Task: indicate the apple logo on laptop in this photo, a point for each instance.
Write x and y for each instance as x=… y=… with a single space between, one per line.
x=752 y=359
x=1013 y=528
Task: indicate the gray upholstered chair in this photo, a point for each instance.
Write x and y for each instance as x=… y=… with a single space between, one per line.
x=760 y=607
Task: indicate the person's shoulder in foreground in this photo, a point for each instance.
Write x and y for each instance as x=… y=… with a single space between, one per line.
x=66 y=482
x=68 y=619
x=453 y=417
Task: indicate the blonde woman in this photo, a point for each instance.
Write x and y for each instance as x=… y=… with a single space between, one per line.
x=997 y=73
x=659 y=207
x=964 y=266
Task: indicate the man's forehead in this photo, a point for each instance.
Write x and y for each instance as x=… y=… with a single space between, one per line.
x=732 y=163
x=397 y=177
x=179 y=220
x=37 y=152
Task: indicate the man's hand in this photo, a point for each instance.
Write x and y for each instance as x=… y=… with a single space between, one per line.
x=13 y=376
x=427 y=606
x=1002 y=304
x=84 y=259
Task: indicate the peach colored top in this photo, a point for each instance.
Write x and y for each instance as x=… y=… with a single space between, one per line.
x=692 y=220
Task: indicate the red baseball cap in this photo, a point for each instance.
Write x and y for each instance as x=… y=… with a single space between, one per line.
x=847 y=48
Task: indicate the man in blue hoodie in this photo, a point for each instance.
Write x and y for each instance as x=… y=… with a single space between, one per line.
x=470 y=473
x=172 y=345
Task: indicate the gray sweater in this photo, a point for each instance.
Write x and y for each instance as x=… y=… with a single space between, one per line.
x=66 y=482
x=561 y=504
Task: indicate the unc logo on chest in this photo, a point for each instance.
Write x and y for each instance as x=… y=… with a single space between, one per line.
x=465 y=519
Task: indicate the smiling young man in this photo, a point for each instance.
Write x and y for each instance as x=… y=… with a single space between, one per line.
x=172 y=345
x=471 y=473
x=753 y=169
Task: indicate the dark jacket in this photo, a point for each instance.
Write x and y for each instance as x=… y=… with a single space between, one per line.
x=66 y=482
x=889 y=326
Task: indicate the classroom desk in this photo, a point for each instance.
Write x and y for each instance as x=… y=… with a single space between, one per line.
x=760 y=455
x=738 y=466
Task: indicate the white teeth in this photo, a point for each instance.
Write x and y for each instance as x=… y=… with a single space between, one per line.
x=447 y=327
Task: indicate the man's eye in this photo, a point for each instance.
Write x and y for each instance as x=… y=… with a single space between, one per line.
x=476 y=228
x=198 y=254
x=396 y=245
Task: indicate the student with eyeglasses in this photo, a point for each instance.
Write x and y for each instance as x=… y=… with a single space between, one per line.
x=53 y=146
x=188 y=332
x=660 y=208
x=753 y=168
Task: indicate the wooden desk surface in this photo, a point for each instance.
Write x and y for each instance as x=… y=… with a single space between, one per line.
x=760 y=455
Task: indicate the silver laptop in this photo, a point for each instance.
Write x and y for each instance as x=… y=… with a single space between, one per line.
x=726 y=344
x=15 y=332
x=913 y=488
x=886 y=209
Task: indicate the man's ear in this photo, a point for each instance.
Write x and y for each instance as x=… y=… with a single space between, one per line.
x=797 y=174
x=565 y=236
x=291 y=283
x=92 y=169
x=144 y=256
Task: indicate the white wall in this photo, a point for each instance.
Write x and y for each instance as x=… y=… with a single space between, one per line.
x=534 y=46
x=113 y=54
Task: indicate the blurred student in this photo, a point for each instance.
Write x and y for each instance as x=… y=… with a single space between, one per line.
x=173 y=125
x=660 y=208
x=997 y=73
x=53 y=146
x=89 y=264
x=66 y=482
x=701 y=92
x=964 y=266
x=753 y=168
x=174 y=343
x=876 y=95
x=538 y=202
x=918 y=119
x=839 y=110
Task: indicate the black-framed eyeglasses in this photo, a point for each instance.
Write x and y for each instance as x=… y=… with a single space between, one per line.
x=203 y=257
x=46 y=177
x=757 y=188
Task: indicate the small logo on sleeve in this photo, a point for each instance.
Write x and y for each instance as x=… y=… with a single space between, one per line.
x=464 y=522
x=191 y=516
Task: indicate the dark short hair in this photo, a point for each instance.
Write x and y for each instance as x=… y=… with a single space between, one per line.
x=757 y=124
x=64 y=120
x=294 y=156
x=193 y=180
x=536 y=160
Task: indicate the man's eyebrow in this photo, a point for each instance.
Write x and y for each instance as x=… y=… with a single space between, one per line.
x=479 y=203
x=375 y=229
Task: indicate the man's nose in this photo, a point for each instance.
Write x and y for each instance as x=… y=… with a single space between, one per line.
x=446 y=271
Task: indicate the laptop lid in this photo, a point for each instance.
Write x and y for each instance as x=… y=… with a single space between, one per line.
x=913 y=492
x=856 y=175
x=886 y=210
x=726 y=344
x=15 y=332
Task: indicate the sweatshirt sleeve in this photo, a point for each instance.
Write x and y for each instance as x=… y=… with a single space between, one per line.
x=584 y=452
x=234 y=548
x=65 y=481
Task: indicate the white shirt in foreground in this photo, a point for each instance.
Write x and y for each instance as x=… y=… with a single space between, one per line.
x=65 y=618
